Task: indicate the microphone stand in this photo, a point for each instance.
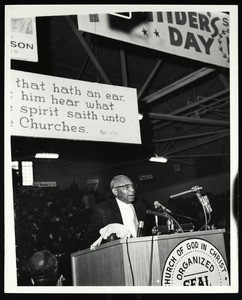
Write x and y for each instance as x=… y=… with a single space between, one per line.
x=204 y=202
x=169 y=220
x=170 y=223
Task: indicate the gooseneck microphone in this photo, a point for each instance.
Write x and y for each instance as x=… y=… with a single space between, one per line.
x=155 y=213
x=158 y=205
x=192 y=190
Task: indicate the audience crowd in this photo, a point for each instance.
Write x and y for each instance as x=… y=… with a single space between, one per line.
x=56 y=220
x=52 y=219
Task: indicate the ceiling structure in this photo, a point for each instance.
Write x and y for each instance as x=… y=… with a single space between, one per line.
x=185 y=103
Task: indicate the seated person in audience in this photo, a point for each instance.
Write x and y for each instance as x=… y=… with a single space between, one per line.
x=123 y=209
x=43 y=269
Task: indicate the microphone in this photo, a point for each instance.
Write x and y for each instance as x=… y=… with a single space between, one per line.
x=140 y=227
x=193 y=189
x=155 y=213
x=205 y=202
x=157 y=204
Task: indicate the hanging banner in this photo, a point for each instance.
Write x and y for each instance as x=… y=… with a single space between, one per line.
x=54 y=107
x=194 y=35
x=23 y=42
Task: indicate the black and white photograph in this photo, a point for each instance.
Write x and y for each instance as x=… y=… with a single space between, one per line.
x=121 y=149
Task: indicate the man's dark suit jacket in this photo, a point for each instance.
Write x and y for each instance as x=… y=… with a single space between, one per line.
x=106 y=213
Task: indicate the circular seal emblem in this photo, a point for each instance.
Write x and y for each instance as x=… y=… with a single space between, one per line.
x=195 y=262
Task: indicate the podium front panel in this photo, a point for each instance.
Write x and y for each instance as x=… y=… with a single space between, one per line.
x=102 y=267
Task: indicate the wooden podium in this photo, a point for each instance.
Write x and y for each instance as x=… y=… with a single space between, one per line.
x=142 y=261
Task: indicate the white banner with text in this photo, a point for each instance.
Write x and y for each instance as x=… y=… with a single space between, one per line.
x=23 y=42
x=54 y=107
x=194 y=35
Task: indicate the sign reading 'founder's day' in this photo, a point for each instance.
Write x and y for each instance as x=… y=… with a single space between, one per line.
x=202 y=36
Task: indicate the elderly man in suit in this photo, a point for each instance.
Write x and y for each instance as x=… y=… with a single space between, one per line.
x=123 y=210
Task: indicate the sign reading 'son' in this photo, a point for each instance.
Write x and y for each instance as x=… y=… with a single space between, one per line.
x=195 y=262
x=54 y=107
x=23 y=43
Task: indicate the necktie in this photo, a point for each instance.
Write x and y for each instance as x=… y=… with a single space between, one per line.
x=133 y=222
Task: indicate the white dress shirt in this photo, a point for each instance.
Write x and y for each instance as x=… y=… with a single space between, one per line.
x=129 y=217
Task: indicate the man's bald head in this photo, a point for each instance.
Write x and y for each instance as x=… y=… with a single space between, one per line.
x=123 y=188
x=43 y=265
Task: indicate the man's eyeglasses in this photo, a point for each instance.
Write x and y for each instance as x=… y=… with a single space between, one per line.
x=127 y=186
